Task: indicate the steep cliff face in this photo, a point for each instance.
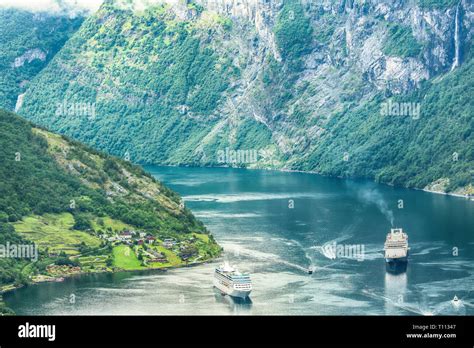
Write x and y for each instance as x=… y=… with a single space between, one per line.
x=302 y=84
x=261 y=14
x=29 y=42
x=360 y=29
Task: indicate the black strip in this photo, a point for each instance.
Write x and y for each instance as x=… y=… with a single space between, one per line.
x=242 y=331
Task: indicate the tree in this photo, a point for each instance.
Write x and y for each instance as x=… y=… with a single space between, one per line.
x=81 y=222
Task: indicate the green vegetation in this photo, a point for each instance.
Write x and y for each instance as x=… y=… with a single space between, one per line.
x=125 y=258
x=54 y=233
x=13 y=272
x=177 y=91
x=293 y=33
x=96 y=262
x=401 y=42
x=106 y=223
x=21 y=33
x=401 y=150
x=323 y=32
x=438 y=4
x=154 y=71
x=185 y=249
x=173 y=259
x=207 y=246
x=31 y=174
x=4 y=310
x=70 y=201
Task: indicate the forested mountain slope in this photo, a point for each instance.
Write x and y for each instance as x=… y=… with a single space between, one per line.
x=294 y=85
x=28 y=42
x=71 y=202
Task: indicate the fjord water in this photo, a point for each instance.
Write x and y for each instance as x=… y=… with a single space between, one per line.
x=276 y=225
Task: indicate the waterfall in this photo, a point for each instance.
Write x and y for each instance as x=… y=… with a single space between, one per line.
x=456 y=40
x=19 y=102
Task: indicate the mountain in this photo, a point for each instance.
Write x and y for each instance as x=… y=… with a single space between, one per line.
x=29 y=42
x=342 y=88
x=73 y=203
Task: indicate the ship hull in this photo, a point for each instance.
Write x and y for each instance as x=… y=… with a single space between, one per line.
x=397 y=260
x=398 y=265
x=243 y=294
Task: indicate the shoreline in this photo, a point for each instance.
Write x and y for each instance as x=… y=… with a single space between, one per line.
x=10 y=287
x=62 y=278
x=285 y=170
x=458 y=195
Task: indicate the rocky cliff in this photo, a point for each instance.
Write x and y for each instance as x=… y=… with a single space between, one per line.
x=29 y=42
x=304 y=84
x=360 y=28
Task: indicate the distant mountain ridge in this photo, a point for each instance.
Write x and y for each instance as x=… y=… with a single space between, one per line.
x=302 y=84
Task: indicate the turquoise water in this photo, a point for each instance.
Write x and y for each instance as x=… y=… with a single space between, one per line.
x=276 y=226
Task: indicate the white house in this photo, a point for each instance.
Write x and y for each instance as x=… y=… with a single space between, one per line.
x=126 y=235
x=168 y=243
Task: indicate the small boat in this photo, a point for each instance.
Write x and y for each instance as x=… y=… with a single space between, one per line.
x=456 y=302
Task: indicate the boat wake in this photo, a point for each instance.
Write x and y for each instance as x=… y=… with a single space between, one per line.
x=250 y=196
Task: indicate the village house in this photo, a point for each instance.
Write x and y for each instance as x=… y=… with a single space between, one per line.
x=150 y=239
x=169 y=243
x=185 y=256
x=158 y=257
x=187 y=251
x=126 y=235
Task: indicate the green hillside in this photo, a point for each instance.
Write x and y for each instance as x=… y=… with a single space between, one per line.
x=156 y=72
x=406 y=151
x=178 y=84
x=29 y=41
x=69 y=200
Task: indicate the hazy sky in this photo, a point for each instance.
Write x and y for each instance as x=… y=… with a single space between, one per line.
x=52 y=5
x=75 y=6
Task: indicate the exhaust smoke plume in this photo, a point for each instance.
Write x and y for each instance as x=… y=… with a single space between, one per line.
x=372 y=196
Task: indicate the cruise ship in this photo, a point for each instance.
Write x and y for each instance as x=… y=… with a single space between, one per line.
x=396 y=250
x=231 y=282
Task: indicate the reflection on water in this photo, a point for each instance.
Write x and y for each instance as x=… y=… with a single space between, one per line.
x=250 y=216
x=237 y=306
x=395 y=291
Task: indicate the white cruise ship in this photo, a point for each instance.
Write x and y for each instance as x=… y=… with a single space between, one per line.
x=396 y=249
x=231 y=282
